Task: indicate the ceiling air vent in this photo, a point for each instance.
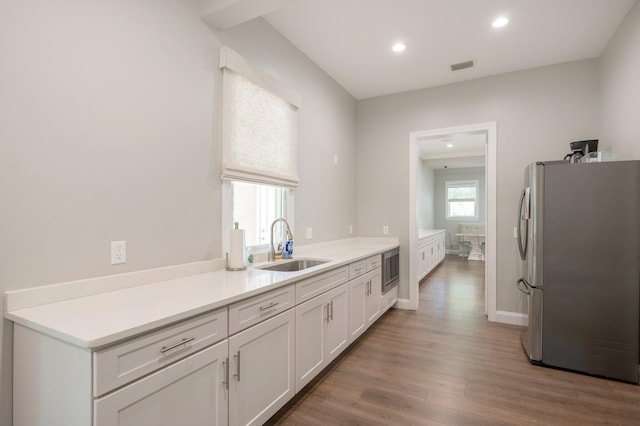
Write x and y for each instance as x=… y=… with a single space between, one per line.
x=461 y=65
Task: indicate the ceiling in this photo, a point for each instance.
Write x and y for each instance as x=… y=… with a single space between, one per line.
x=455 y=150
x=351 y=39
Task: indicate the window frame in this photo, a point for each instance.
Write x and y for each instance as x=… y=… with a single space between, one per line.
x=462 y=183
x=227 y=214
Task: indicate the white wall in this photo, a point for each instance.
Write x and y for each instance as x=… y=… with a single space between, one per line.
x=425 y=203
x=538 y=112
x=441 y=177
x=110 y=131
x=619 y=68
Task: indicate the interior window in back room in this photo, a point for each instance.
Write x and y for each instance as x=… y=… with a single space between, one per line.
x=462 y=199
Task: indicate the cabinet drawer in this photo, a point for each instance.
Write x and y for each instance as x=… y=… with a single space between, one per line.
x=311 y=287
x=389 y=299
x=374 y=262
x=123 y=363
x=357 y=268
x=251 y=311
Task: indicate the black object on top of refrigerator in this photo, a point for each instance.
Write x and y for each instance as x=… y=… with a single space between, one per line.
x=579 y=240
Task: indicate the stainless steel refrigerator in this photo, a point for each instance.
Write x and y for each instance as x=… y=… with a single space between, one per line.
x=579 y=240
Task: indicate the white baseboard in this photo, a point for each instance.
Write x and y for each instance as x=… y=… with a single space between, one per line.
x=513 y=318
x=404 y=304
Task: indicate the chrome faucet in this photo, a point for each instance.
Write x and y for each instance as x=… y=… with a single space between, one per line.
x=272 y=251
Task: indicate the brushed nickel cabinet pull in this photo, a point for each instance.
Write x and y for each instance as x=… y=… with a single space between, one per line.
x=184 y=341
x=269 y=306
x=327 y=309
x=332 y=310
x=237 y=373
x=225 y=367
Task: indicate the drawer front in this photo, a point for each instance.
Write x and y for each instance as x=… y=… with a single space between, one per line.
x=258 y=308
x=123 y=363
x=374 y=262
x=390 y=298
x=357 y=268
x=314 y=286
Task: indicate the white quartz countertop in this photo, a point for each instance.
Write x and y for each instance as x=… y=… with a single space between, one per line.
x=102 y=319
x=424 y=233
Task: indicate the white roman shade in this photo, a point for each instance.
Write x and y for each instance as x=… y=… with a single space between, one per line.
x=259 y=125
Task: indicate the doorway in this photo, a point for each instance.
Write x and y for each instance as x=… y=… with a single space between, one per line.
x=486 y=131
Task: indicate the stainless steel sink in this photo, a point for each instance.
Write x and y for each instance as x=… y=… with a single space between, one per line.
x=292 y=265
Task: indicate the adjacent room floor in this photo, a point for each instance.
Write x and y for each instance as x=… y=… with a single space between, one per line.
x=446 y=364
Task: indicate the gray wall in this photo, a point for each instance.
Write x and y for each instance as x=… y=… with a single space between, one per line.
x=441 y=177
x=425 y=203
x=537 y=113
x=325 y=199
x=620 y=89
x=110 y=131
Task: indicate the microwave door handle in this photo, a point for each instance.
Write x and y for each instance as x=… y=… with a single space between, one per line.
x=522 y=245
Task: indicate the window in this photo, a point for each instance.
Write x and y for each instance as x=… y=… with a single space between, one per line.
x=259 y=151
x=255 y=207
x=462 y=199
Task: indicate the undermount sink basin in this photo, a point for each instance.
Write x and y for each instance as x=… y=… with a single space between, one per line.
x=292 y=265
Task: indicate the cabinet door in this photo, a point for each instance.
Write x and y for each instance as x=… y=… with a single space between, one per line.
x=337 y=327
x=262 y=375
x=189 y=392
x=422 y=262
x=373 y=295
x=311 y=320
x=358 y=288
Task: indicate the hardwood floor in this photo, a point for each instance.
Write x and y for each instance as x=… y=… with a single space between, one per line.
x=446 y=364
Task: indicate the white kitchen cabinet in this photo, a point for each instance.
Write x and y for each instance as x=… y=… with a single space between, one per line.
x=389 y=299
x=134 y=382
x=321 y=332
x=372 y=295
x=431 y=251
x=357 y=302
x=365 y=301
x=190 y=392
x=261 y=369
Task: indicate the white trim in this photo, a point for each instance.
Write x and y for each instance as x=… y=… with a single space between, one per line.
x=490 y=206
x=513 y=318
x=404 y=304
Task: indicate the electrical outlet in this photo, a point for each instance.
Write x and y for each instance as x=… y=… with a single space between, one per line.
x=309 y=233
x=118 y=252
x=385 y=230
x=515 y=232
x=350 y=229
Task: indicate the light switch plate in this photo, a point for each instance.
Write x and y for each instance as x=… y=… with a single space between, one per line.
x=385 y=230
x=309 y=233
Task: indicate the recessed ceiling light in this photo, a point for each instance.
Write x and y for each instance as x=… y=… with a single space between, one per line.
x=449 y=145
x=500 y=22
x=399 y=47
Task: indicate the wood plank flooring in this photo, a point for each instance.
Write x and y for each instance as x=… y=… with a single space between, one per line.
x=445 y=364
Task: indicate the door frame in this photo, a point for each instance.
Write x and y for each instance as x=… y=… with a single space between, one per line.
x=490 y=214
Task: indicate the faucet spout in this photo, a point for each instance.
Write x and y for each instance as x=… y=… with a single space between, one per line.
x=272 y=251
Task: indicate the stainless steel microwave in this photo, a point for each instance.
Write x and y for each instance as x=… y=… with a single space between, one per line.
x=390 y=269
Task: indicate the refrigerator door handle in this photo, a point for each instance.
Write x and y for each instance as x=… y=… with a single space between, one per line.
x=523 y=247
x=523 y=287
